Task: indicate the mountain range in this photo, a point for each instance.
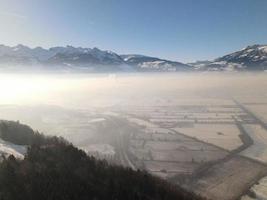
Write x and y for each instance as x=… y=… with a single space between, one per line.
x=251 y=58
x=20 y=58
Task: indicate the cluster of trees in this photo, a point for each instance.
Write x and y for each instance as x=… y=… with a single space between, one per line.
x=54 y=169
x=21 y=134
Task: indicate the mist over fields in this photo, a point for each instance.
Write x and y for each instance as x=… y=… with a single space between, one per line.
x=191 y=129
x=100 y=90
x=25 y=96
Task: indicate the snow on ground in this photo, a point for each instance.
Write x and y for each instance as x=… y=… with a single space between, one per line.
x=141 y=122
x=260 y=191
x=102 y=149
x=258 y=150
x=259 y=110
x=264 y=48
x=223 y=135
x=7 y=149
x=96 y=120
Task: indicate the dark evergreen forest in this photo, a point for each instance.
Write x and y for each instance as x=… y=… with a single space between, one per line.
x=53 y=169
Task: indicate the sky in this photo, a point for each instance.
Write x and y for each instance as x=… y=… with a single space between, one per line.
x=181 y=30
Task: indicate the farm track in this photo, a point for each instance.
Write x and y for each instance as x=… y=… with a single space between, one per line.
x=121 y=144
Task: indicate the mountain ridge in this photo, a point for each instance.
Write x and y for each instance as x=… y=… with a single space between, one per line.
x=250 y=58
x=81 y=59
x=69 y=58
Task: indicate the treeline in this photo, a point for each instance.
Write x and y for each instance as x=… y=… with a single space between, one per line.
x=21 y=134
x=53 y=169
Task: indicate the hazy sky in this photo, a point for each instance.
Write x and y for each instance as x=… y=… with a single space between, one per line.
x=183 y=30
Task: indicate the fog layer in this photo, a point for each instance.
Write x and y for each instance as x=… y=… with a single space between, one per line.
x=85 y=91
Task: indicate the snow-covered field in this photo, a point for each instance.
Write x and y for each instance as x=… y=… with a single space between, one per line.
x=258 y=150
x=223 y=135
x=259 y=110
x=187 y=156
x=260 y=191
x=141 y=122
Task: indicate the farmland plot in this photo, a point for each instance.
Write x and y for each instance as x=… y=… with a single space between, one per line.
x=166 y=153
x=259 y=110
x=225 y=136
x=188 y=156
x=260 y=190
x=188 y=144
x=141 y=122
x=228 y=180
x=258 y=150
x=169 y=169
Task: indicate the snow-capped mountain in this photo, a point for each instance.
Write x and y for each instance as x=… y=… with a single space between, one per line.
x=146 y=63
x=86 y=59
x=60 y=58
x=250 y=58
x=71 y=58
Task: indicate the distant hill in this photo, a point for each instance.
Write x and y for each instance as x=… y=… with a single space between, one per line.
x=54 y=169
x=251 y=58
x=146 y=63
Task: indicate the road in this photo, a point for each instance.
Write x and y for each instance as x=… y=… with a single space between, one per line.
x=121 y=141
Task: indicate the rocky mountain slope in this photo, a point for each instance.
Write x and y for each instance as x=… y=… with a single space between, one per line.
x=251 y=58
x=20 y=58
x=86 y=59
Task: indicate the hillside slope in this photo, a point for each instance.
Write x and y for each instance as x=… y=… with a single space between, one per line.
x=53 y=169
x=147 y=63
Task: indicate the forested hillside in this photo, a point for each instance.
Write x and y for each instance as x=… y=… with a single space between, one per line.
x=54 y=169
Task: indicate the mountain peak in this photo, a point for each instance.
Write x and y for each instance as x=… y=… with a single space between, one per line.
x=252 y=57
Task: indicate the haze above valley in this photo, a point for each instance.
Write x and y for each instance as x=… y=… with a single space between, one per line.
x=99 y=90
x=171 y=124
